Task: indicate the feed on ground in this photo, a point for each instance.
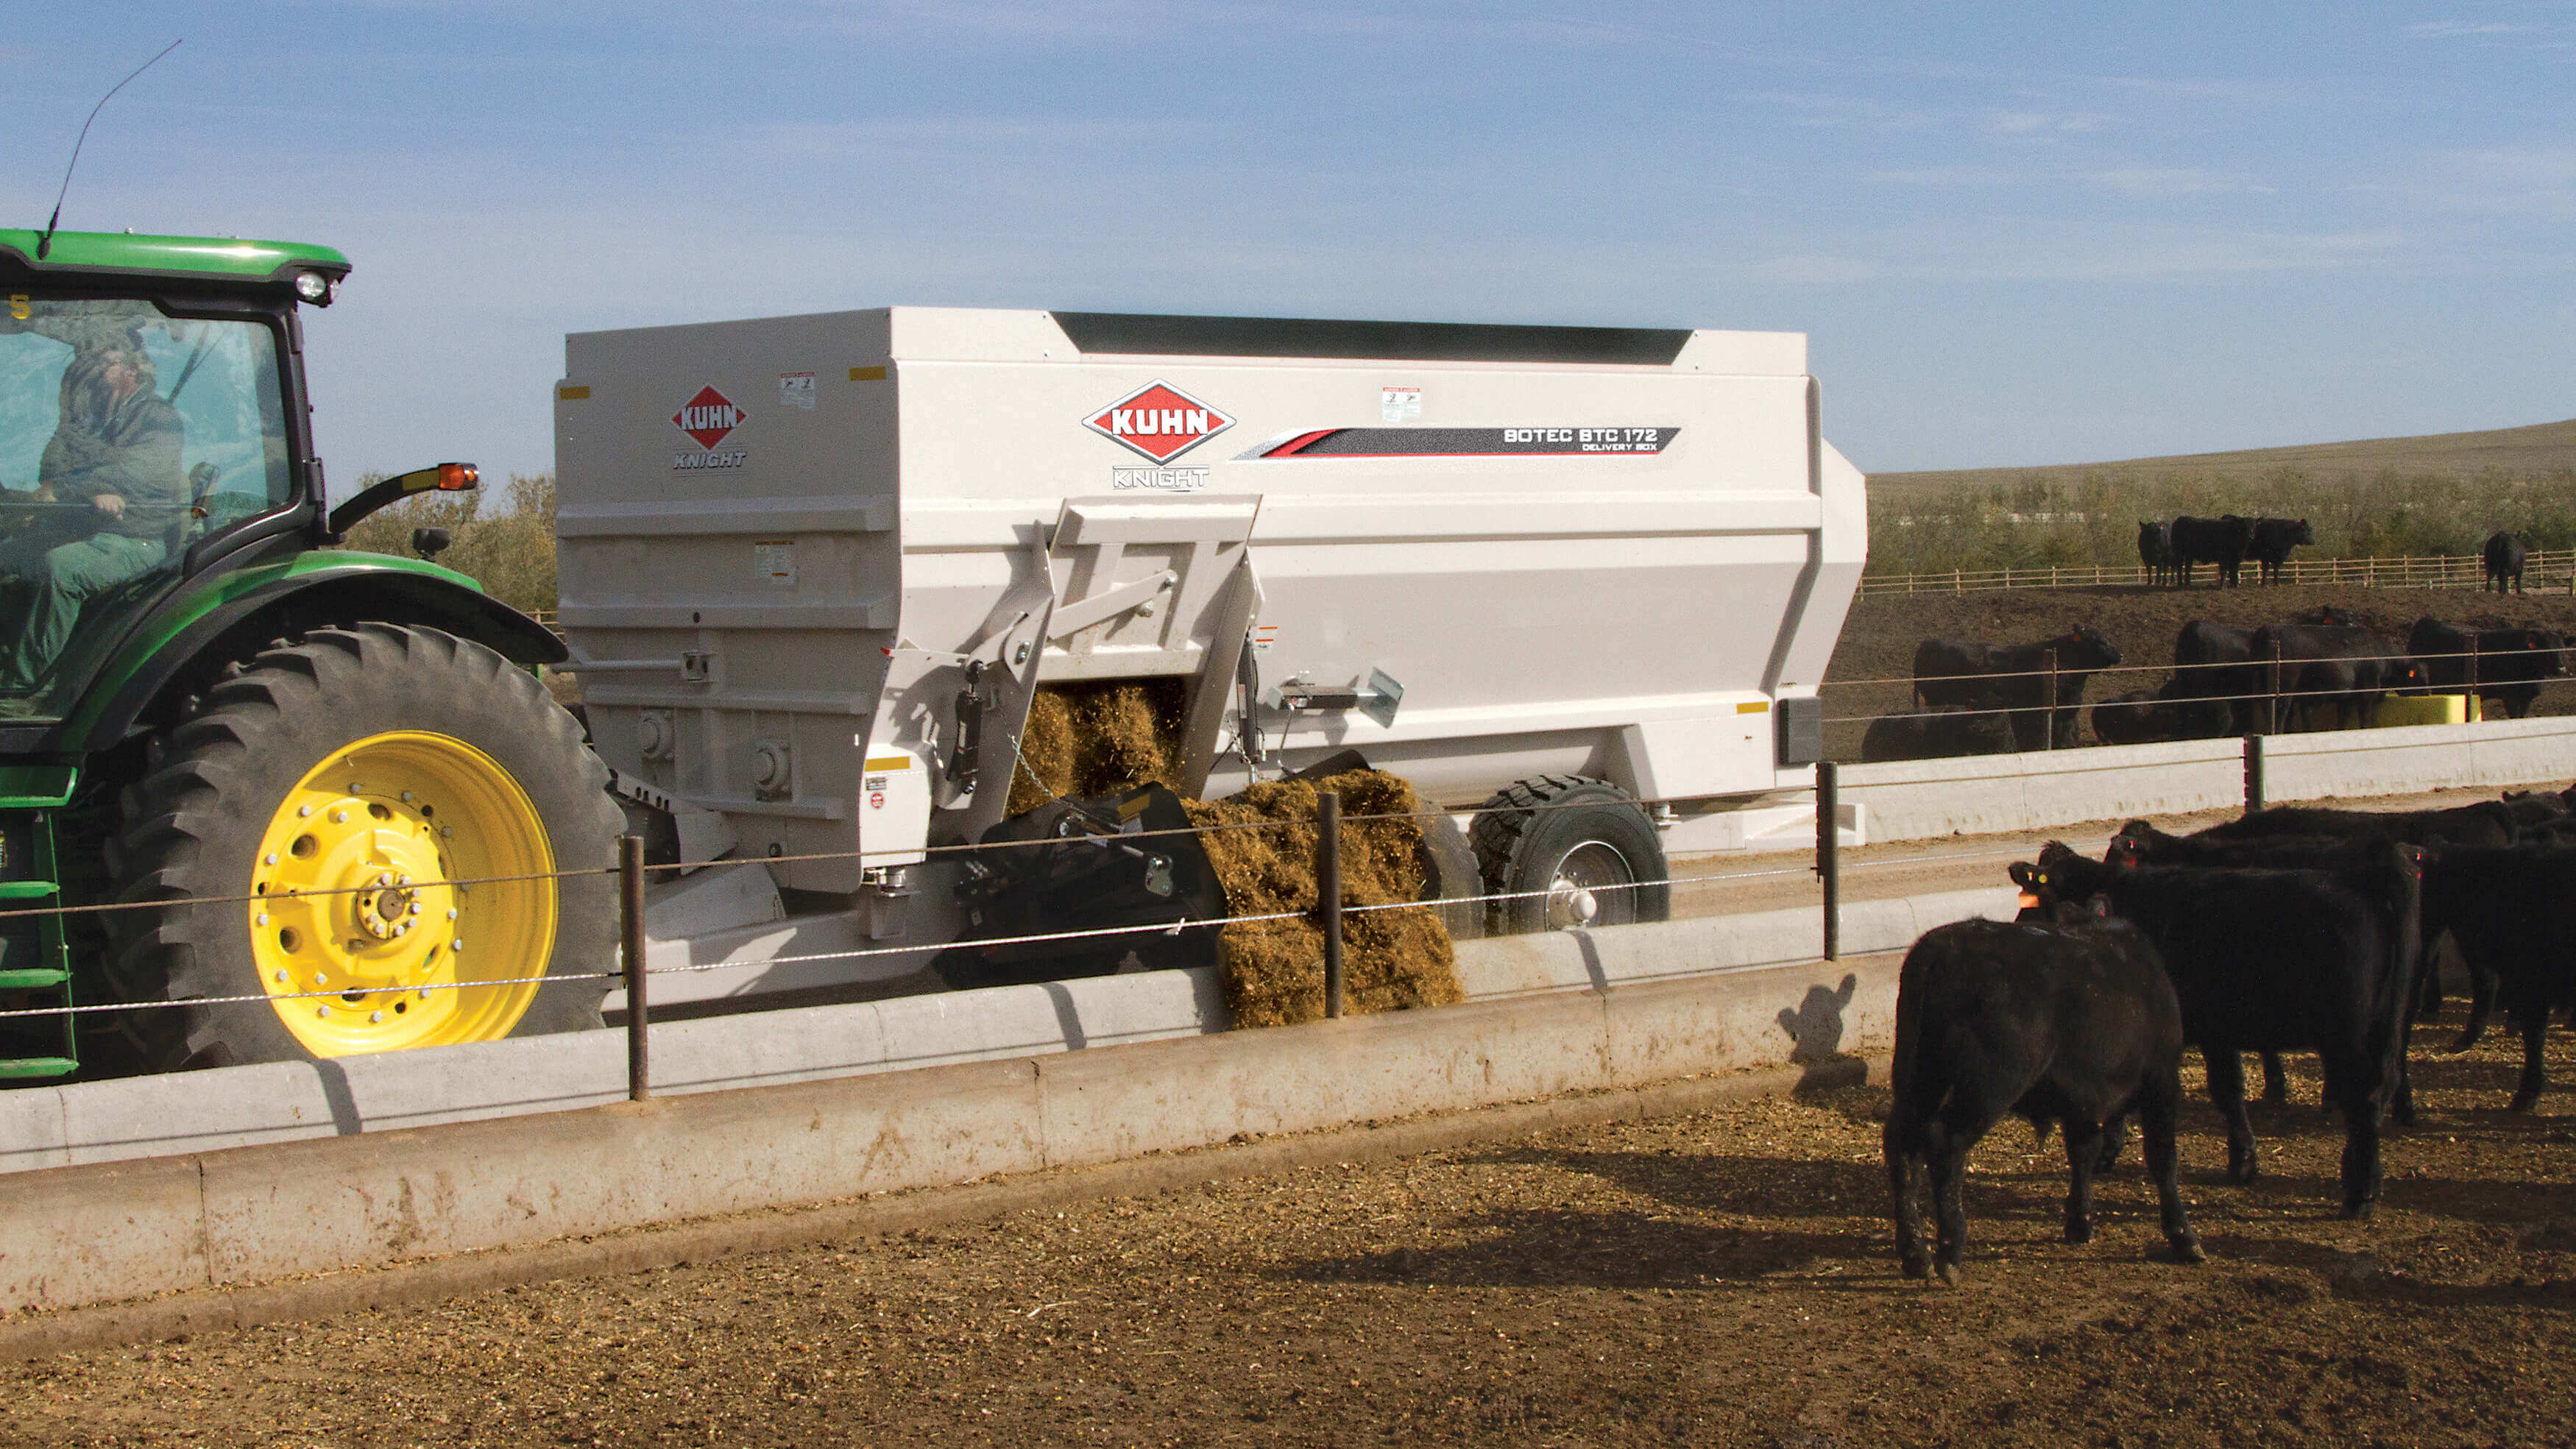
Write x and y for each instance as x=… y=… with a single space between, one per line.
x=1724 y=1278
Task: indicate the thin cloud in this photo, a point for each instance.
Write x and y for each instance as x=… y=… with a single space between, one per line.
x=1806 y=108
x=2448 y=29
x=1948 y=176
x=2173 y=181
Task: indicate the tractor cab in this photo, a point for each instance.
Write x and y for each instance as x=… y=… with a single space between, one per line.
x=143 y=413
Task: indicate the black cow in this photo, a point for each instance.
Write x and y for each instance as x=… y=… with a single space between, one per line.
x=2141 y=843
x=2503 y=557
x=2509 y=663
x=2072 y=1023
x=2535 y=807
x=2276 y=960
x=2485 y=822
x=2340 y=665
x=2513 y=913
x=2216 y=663
x=1936 y=734
x=2168 y=713
x=2273 y=539
x=2221 y=541
x=2136 y=718
x=2155 y=550
x=1966 y=672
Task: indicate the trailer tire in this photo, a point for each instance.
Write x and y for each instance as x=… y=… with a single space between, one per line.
x=263 y=792
x=1450 y=870
x=1571 y=837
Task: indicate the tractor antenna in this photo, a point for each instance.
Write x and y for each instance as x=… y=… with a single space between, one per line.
x=45 y=243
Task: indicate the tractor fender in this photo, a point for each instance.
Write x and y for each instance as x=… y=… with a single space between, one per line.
x=212 y=622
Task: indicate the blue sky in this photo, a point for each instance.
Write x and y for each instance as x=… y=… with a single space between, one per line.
x=2015 y=234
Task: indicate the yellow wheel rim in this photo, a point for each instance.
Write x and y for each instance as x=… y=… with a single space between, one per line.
x=352 y=896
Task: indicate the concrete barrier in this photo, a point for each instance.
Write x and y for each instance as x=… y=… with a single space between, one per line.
x=2002 y=794
x=296 y=1101
x=1577 y=1011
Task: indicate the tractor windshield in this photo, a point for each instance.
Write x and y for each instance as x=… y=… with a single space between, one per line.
x=125 y=434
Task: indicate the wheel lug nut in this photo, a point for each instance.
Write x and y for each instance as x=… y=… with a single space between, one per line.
x=269 y=859
x=375 y=1016
x=263 y=919
x=281 y=978
x=339 y=817
x=302 y=811
x=321 y=1011
x=456 y=945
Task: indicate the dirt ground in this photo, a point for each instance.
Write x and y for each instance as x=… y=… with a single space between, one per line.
x=1720 y=1279
x=1874 y=660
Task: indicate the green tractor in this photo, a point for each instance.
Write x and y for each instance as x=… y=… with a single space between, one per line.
x=326 y=802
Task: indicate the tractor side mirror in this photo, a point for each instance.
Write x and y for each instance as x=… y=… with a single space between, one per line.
x=428 y=542
x=438 y=477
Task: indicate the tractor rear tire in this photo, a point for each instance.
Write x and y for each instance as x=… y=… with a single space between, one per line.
x=1582 y=848
x=292 y=858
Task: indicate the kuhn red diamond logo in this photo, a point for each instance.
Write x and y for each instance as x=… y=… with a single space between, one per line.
x=1159 y=421
x=708 y=417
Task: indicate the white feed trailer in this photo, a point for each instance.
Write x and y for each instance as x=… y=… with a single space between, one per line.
x=814 y=570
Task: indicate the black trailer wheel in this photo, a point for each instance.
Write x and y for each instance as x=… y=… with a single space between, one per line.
x=1583 y=848
x=323 y=847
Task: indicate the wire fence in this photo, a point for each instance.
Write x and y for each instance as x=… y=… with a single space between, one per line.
x=376 y=997
x=2274 y=688
x=2542 y=567
x=1327 y=909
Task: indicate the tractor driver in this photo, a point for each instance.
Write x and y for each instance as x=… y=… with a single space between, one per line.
x=115 y=451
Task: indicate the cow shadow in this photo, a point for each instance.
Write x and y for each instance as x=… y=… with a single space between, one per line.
x=1634 y=1250
x=1788 y=1188
x=2358 y=1278
x=1815 y=1028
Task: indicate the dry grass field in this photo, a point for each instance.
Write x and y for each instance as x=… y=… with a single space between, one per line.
x=2541 y=448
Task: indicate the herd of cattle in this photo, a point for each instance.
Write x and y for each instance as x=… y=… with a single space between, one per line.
x=2319 y=671
x=2288 y=930
x=2171 y=551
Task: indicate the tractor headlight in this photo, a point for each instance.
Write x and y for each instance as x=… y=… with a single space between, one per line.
x=313 y=287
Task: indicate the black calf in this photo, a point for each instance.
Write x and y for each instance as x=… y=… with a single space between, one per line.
x=2073 y=1024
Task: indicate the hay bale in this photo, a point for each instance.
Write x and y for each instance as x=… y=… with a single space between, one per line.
x=1098 y=739
x=1274 y=970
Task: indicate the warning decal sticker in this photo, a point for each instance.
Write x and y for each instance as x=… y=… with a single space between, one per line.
x=1467 y=442
x=1159 y=421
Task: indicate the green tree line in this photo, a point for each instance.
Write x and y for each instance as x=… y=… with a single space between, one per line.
x=510 y=552
x=2038 y=522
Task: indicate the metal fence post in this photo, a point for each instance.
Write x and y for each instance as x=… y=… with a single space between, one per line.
x=1829 y=855
x=2272 y=692
x=1328 y=892
x=2253 y=773
x=2048 y=717
x=630 y=932
x=2469 y=706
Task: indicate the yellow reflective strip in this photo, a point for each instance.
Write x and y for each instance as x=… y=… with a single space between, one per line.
x=572 y=394
x=1759 y=706
x=889 y=762
x=867 y=374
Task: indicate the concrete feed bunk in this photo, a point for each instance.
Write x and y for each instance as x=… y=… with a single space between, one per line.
x=816 y=569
